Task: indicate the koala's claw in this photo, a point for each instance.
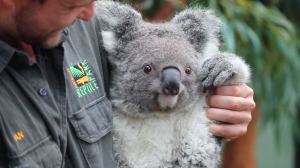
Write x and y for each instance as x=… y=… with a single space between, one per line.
x=205 y=89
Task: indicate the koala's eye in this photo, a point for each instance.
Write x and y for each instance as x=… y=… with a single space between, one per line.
x=188 y=70
x=147 y=68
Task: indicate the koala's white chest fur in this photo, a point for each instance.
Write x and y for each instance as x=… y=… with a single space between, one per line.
x=168 y=140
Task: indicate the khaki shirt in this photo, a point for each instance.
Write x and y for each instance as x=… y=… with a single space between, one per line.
x=55 y=113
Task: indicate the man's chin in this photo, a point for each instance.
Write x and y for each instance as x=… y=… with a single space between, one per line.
x=51 y=41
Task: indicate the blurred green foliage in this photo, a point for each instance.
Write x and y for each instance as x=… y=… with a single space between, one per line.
x=265 y=33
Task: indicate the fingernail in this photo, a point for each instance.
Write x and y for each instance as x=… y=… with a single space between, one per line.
x=211 y=92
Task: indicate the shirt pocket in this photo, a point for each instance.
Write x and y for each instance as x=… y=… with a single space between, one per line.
x=93 y=126
x=34 y=157
x=93 y=121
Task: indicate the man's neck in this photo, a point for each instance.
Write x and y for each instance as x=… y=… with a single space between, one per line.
x=25 y=48
x=19 y=45
x=22 y=46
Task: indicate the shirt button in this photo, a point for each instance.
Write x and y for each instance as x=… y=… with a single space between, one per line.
x=66 y=31
x=43 y=92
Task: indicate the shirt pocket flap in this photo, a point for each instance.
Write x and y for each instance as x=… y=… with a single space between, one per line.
x=43 y=154
x=93 y=121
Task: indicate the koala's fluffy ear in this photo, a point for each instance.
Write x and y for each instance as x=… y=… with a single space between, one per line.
x=117 y=21
x=201 y=27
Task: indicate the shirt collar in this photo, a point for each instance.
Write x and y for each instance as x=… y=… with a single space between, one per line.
x=6 y=54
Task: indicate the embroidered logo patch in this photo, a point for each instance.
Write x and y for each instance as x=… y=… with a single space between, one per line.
x=82 y=78
x=18 y=136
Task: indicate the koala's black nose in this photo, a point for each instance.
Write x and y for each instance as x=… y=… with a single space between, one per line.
x=170 y=81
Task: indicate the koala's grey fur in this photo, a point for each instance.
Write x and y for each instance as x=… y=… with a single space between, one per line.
x=155 y=126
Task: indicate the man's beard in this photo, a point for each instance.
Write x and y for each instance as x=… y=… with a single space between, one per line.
x=30 y=32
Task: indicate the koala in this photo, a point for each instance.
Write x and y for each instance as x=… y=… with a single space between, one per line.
x=161 y=73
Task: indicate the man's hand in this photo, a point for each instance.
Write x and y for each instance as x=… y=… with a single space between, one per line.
x=231 y=104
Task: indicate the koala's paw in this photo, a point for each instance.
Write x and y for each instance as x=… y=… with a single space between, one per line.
x=215 y=72
x=223 y=69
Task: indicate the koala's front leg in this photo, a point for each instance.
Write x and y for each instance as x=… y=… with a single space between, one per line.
x=224 y=68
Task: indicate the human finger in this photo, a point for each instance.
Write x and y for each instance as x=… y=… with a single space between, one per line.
x=230 y=131
x=233 y=90
x=228 y=116
x=230 y=103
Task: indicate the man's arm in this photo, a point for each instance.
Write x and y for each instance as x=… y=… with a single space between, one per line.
x=232 y=104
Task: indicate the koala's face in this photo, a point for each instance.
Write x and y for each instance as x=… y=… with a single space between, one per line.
x=158 y=75
x=155 y=65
